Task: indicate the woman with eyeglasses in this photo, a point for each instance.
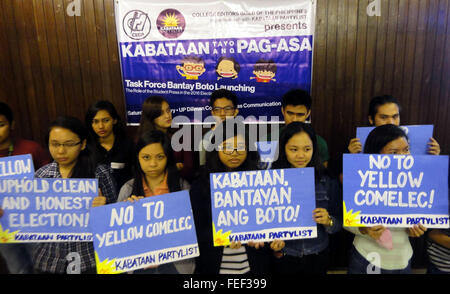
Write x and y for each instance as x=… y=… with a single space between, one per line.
x=108 y=140
x=157 y=115
x=231 y=153
x=67 y=140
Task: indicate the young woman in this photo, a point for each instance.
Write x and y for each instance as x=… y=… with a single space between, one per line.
x=155 y=173
x=67 y=140
x=157 y=115
x=298 y=149
x=108 y=140
x=231 y=153
x=385 y=139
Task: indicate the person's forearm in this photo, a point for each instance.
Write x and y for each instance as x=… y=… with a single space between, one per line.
x=440 y=238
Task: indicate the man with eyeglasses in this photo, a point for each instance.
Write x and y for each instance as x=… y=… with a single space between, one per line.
x=223 y=105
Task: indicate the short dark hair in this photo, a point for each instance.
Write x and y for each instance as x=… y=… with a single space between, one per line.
x=192 y=59
x=223 y=93
x=7 y=112
x=286 y=134
x=378 y=101
x=381 y=136
x=265 y=65
x=297 y=97
x=236 y=65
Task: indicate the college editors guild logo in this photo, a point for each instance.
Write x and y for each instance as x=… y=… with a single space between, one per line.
x=136 y=24
x=171 y=23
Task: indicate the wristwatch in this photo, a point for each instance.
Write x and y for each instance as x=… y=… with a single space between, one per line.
x=331 y=221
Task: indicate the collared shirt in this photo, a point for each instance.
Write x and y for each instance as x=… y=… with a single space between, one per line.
x=162 y=188
x=51 y=257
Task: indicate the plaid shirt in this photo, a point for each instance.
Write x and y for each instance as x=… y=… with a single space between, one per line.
x=51 y=257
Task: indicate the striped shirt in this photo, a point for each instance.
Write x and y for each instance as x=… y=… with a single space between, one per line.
x=439 y=255
x=234 y=261
x=51 y=257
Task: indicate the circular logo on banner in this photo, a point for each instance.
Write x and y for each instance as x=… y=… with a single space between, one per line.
x=136 y=24
x=171 y=23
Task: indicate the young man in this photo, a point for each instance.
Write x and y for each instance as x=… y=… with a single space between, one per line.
x=386 y=110
x=296 y=107
x=223 y=104
x=17 y=256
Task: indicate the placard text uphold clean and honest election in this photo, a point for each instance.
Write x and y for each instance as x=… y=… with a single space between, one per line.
x=46 y=210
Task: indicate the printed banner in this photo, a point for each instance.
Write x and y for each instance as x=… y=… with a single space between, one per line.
x=46 y=210
x=395 y=190
x=418 y=135
x=263 y=205
x=151 y=231
x=19 y=166
x=185 y=50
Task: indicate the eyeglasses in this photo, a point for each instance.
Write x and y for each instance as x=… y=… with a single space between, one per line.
x=228 y=149
x=228 y=109
x=65 y=145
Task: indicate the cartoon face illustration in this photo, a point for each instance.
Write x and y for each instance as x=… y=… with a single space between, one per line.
x=227 y=68
x=264 y=71
x=192 y=68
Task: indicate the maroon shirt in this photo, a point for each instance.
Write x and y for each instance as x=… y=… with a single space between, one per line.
x=21 y=146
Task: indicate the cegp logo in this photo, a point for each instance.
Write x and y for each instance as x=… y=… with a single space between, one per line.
x=136 y=24
x=171 y=23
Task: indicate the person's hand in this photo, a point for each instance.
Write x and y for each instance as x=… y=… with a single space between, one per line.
x=180 y=165
x=99 y=201
x=433 y=147
x=256 y=245
x=321 y=216
x=416 y=231
x=151 y=266
x=134 y=198
x=235 y=245
x=1 y=212
x=373 y=232
x=277 y=245
x=355 y=146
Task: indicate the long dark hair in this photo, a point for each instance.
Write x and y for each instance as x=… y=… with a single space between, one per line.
x=173 y=178
x=381 y=136
x=118 y=128
x=286 y=134
x=85 y=166
x=230 y=128
x=151 y=110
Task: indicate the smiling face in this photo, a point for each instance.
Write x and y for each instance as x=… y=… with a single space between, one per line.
x=153 y=160
x=397 y=146
x=164 y=121
x=264 y=74
x=103 y=124
x=226 y=69
x=193 y=69
x=232 y=152
x=65 y=146
x=299 y=150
